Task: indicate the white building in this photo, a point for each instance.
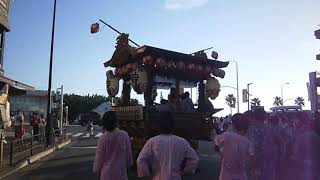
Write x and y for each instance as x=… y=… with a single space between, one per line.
x=32 y=101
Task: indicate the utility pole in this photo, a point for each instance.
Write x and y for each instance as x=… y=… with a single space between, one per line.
x=49 y=124
x=282 y=92
x=67 y=109
x=248 y=95
x=61 y=110
x=237 y=77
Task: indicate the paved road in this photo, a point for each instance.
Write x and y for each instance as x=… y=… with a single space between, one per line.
x=75 y=162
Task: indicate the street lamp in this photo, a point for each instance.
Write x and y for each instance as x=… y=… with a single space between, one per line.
x=49 y=124
x=282 y=90
x=229 y=87
x=238 y=104
x=248 y=95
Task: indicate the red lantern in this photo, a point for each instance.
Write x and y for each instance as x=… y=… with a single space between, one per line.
x=190 y=67
x=199 y=68
x=181 y=66
x=129 y=67
x=147 y=60
x=214 y=55
x=163 y=63
x=95 y=28
x=171 y=64
x=160 y=62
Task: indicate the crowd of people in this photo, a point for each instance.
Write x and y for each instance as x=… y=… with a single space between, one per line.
x=280 y=146
x=163 y=157
x=175 y=103
x=253 y=146
x=18 y=122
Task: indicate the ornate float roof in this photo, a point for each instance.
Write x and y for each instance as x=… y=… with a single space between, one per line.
x=128 y=54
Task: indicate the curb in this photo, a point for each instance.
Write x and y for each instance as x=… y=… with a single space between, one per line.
x=36 y=157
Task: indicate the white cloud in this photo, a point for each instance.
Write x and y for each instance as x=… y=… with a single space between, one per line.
x=184 y=4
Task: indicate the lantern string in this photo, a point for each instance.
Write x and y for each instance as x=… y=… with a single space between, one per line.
x=102 y=28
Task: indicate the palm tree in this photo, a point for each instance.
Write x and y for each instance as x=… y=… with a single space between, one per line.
x=231 y=101
x=255 y=102
x=299 y=101
x=278 y=101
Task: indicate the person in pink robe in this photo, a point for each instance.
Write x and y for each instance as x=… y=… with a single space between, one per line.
x=237 y=151
x=113 y=154
x=166 y=156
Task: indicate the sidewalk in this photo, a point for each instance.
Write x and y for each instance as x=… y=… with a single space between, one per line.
x=26 y=159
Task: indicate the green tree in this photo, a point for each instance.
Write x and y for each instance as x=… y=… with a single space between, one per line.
x=231 y=101
x=255 y=102
x=299 y=101
x=78 y=104
x=278 y=101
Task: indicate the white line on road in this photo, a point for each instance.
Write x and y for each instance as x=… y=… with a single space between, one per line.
x=68 y=134
x=87 y=135
x=99 y=134
x=77 y=135
x=82 y=147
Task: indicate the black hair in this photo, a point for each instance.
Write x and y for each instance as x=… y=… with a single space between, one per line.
x=274 y=119
x=239 y=122
x=249 y=114
x=187 y=94
x=166 y=123
x=259 y=114
x=109 y=121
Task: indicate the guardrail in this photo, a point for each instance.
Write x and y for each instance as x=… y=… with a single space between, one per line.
x=21 y=149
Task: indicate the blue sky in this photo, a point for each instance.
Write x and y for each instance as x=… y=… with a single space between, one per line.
x=272 y=41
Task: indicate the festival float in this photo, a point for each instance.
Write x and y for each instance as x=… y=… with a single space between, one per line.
x=145 y=69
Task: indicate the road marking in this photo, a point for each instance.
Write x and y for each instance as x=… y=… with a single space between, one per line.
x=87 y=135
x=99 y=134
x=82 y=147
x=77 y=135
x=68 y=134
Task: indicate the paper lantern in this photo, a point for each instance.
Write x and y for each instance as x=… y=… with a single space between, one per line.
x=212 y=88
x=190 y=67
x=139 y=80
x=214 y=55
x=160 y=62
x=129 y=67
x=181 y=66
x=94 y=28
x=112 y=85
x=199 y=68
x=147 y=60
x=171 y=64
